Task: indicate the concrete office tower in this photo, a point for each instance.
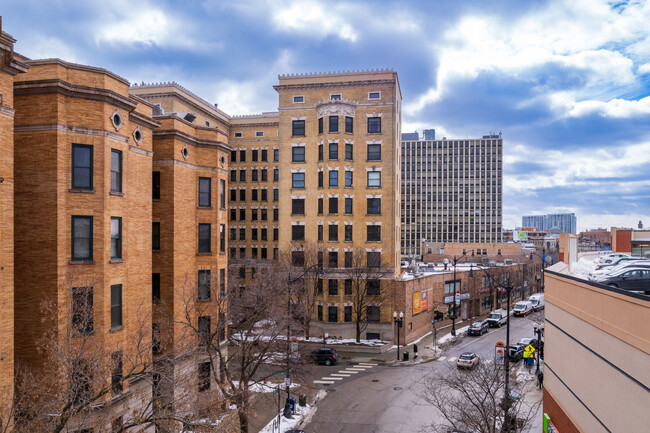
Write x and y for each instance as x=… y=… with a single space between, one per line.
x=83 y=162
x=451 y=191
x=565 y=222
x=339 y=181
x=11 y=66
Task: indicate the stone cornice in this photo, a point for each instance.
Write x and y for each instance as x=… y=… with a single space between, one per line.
x=58 y=86
x=79 y=67
x=173 y=134
x=42 y=127
x=334 y=85
x=142 y=120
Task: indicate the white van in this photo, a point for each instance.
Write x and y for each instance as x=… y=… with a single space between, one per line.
x=497 y=318
x=522 y=308
x=537 y=300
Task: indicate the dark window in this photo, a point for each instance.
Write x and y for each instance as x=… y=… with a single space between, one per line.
x=298 y=206
x=254 y=194
x=116 y=170
x=116 y=376
x=276 y=154
x=265 y=156
x=348 y=287
x=116 y=305
x=347 y=313
x=298 y=128
x=82 y=166
x=320 y=206
x=233 y=234
x=264 y=175
x=334 y=151
x=298 y=233
x=320 y=310
x=254 y=155
x=242 y=195
x=265 y=195
x=222 y=238
x=374 y=206
x=373 y=233
x=298 y=180
x=253 y=214
x=334 y=178
x=276 y=195
x=204 y=238
x=320 y=179
x=155 y=287
x=348 y=151
x=205 y=186
x=334 y=123
x=155 y=236
x=374 y=125
x=348 y=206
x=264 y=236
x=204 y=330
x=374 y=152
x=82 y=309
x=222 y=193
x=222 y=283
x=264 y=214
x=320 y=152
x=253 y=234
x=374 y=179
x=222 y=327
x=233 y=175
x=320 y=232
x=276 y=233
x=372 y=313
x=333 y=259
x=319 y=286
x=276 y=214
x=333 y=232
x=373 y=259
x=349 y=123
x=333 y=205
x=332 y=314
x=373 y=287
x=348 y=233
x=348 y=259
x=254 y=175
x=333 y=287
x=348 y=178
x=155 y=185
x=242 y=234
x=320 y=125
x=204 y=376
x=233 y=156
x=242 y=214
x=276 y=175
x=116 y=238
x=242 y=175
x=82 y=238
x=297 y=258
x=298 y=154
x=233 y=195
x=242 y=155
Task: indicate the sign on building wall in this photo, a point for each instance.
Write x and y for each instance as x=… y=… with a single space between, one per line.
x=420 y=302
x=522 y=235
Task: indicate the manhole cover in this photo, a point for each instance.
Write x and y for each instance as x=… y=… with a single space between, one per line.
x=398 y=388
x=375 y=380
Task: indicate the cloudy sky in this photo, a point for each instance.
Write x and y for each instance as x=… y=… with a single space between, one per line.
x=567 y=82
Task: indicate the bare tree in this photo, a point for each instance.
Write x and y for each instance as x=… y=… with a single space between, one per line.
x=474 y=401
x=364 y=274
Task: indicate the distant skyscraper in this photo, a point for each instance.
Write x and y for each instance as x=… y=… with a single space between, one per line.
x=566 y=222
x=451 y=191
x=429 y=134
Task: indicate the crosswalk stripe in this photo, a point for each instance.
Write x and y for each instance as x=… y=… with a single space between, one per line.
x=332 y=378
x=488 y=361
x=350 y=371
x=442 y=358
x=452 y=359
x=325 y=382
x=364 y=367
x=355 y=369
x=367 y=363
x=340 y=375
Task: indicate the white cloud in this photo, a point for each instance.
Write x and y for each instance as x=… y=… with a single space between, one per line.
x=618 y=108
x=313 y=19
x=644 y=69
x=42 y=47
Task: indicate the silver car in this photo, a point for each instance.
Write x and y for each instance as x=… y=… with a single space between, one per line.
x=467 y=360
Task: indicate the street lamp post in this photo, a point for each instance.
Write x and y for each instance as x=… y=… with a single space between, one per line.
x=455 y=311
x=543 y=256
x=398 y=324
x=507 y=393
x=538 y=331
x=290 y=281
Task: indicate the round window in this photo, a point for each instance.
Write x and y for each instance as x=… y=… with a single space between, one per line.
x=223 y=160
x=137 y=135
x=185 y=152
x=117 y=119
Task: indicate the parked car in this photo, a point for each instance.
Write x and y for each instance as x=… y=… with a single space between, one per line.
x=616 y=261
x=497 y=318
x=644 y=263
x=478 y=328
x=515 y=353
x=607 y=258
x=537 y=300
x=522 y=308
x=467 y=360
x=632 y=278
x=526 y=341
x=324 y=355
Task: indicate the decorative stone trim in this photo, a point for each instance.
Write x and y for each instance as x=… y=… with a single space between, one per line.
x=373 y=168
x=348 y=195
x=373 y=195
x=333 y=223
x=349 y=141
x=333 y=250
x=320 y=195
x=185 y=152
x=320 y=169
x=374 y=114
x=349 y=168
x=299 y=117
x=373 y=141
x=373 y=250
x=347 y=223
x=298 y=170
x=297 y=248
x=297 y=223
x=321 y=142
x=333 y=195
x=137 y=135
x=333 y=140
x=348 y=249
x=333 y=168
x=373 y=223
x=298 y=144
x=117 y=120
x=298 y=196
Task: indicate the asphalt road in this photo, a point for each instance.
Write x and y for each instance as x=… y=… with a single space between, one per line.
x=383 y=398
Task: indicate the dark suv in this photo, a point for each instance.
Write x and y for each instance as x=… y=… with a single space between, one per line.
x=325 y=355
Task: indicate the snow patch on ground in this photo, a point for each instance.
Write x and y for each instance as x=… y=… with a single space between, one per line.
x=448 y=337
x=266 y=386
x=302 y=414
x=582 y=268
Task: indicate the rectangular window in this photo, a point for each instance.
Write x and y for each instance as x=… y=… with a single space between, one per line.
x=239 y=134
x=265 y=155
x=298 y=180
x=333 y=205
x=242 y=175
x=222 y=283
x=333 y=232
x=320 y=206
x=204 y=238
x=319 y=287
x=373 y=233
x=116 y=375
x=333 y=288
x=205 y=330
x=348 y=287
x=264 y=175
x=349 y=124
x=155 y=287
x=334 y=124
x=374 y=206
x=242 y=195
x=276 y=233
x=242 y=234
x=373 y=259
x=374 y=179
x=116 y=305
x=233 y=156
x=265 y=195
x=259 y=133
x=276 y=175
x=204 y=285
x=233 y=234
x=82 y=238
x=334 y=151
x=298 y=233
x=372 y=313
x=82 y=166
x=348 y=178
x=348 y=259
x=298 y=99
x=204 y=376
x=155 y=236
x=348 y=151
x=242 y=214
x=298 y=258
x=254 y=154
x=347 y=313
x=82 y=309
x=320 y=311
x=264 y=235
x=320 y=232
x=222 y=238
x=373 y=287
x=254 y=175
x=374 y=125
x=253 y=234
x=242 y=155
x=374 y=95
x=276 y=214
x=374 y=152
x=222 y=193
x=155 y=185
x=320 y=125
x=320 y=179
x=253 y=214
x=348 y=206
x=254 y=194
x=348 y=233
x=298 y=154
x=334 y=178
x=276 y=155
x=116 y=171
x=298 y=128
x=264 y=216
x=298 y=206
x=320 y=152
x=205 y=185
x=332 y=314
x=335 y=97
x=233 y=175
x=116 y=238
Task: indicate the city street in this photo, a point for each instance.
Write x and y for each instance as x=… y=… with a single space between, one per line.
x=383 y=398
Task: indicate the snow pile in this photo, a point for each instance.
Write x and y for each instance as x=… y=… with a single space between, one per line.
x=523 y=375
x=266 y=386
x=582 y=268
x=302 y=413
x=448 y=337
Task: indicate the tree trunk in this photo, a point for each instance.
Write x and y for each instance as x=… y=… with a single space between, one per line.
x=306 y=327
x=358 y=332
x=243 y=419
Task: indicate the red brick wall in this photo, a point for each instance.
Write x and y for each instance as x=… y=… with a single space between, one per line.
x=558 y=417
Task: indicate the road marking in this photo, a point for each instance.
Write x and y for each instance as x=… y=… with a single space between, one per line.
x=363 y=367
x=332 y=378
x=325 y=382
x=355 y=369
x=488 y=361
x=340 y=375
x=367 y=363
x=350 y=371
x=442 y=358
x=452 y=359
